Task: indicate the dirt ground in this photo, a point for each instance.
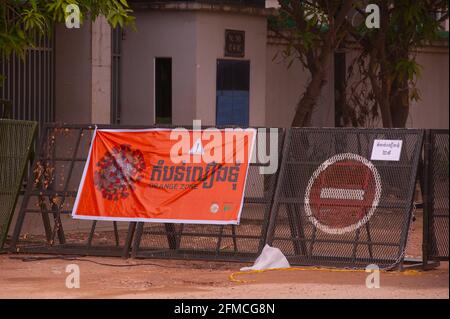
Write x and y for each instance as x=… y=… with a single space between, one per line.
x=193 y=279
x=188 y=279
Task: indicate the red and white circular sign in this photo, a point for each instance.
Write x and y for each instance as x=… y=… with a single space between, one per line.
x=343 y=193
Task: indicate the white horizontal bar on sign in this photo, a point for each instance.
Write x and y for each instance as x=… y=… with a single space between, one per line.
x=342 y=193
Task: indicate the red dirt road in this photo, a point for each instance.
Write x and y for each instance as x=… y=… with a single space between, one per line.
x=194 y=279
x=182 y=279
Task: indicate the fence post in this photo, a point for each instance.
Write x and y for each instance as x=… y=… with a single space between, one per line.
x=277 y=188
x=425 y=187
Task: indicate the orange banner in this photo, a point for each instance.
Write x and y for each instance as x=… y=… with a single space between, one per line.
x=164 y=175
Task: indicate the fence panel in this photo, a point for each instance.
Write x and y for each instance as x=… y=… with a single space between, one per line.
x=436 y=206
x=44 y=223
x=16 y=141
x=28 y=88
x=334 y=206
x=219 y=242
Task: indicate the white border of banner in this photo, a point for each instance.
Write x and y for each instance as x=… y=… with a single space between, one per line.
x=155 y=220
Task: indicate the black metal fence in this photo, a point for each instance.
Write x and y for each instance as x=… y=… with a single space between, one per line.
x=16 y=147
x=219 y=242
x=334 y=206
x=44 y=224
x=436 y=235
x=327 y=203
x=28 y=85
x=5 y=109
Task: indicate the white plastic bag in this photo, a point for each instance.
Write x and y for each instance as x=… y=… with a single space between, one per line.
x=270 y=258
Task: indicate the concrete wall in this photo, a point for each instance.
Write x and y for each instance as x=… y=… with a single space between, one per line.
x=210 y=47
x=73 y=74
x=432 y=111
x=83 y=73
x=272 y=4
x=194 y=40
x=159 y=34
x=284 y=87
x=101 y=72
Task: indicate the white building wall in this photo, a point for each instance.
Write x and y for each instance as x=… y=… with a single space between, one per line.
x=285 y=86
x=83 y=72
x=210 y=47
x=432 y=110
x=159 y=34
x=73 y=74
x=101 y=71
x=194 y=40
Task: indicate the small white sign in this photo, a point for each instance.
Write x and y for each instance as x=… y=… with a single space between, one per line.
x=386 y=150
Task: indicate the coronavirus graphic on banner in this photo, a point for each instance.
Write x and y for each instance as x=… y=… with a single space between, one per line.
x=118 y=171
x=342 y=194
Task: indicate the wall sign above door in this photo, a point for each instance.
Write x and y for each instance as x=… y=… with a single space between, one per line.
x=234 y=43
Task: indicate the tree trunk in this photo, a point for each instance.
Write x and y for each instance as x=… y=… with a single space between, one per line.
x=399 y=95
x=399 y=101
x=381 y=91
x=385 y=108
x=306 y=105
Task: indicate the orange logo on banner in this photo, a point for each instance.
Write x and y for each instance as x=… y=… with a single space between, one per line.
x=131 y=175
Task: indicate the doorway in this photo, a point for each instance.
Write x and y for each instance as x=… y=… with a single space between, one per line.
x=232 y=94
x=163 y=91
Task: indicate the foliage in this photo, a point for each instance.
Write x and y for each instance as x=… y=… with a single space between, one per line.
x=382 y=78
x=386 y=67
x=21 y=21
x=311 y=30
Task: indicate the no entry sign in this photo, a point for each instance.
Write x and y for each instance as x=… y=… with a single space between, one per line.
x=342 y=193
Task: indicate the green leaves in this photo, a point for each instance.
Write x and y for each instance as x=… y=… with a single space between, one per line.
x=33 y=19
x=55 y=10
x=408 y=69
x=14 y=40
x=21 y=20
x=414 y=94
x=304 y=24
x=388 y=60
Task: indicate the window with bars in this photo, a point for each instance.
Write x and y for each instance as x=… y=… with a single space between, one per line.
x=28 y=83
